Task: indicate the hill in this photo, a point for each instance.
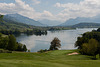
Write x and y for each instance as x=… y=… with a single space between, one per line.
x=22 y=19
x=9 y=24
x=59 y=58
x=95 y=19
x=86 y=25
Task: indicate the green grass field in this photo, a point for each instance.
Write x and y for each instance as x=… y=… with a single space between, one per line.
x=49 y=59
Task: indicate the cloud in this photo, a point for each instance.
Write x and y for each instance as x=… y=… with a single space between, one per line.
x=46 y=15
x=36 y=1
x=86 y=8
x=18 y=7
x=24 y=9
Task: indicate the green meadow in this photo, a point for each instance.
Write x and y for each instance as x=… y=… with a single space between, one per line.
x=58 y=58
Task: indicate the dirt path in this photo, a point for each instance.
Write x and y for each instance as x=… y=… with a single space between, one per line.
x=74 y=53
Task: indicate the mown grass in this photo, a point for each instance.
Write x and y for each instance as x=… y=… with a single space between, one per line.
x=49 y=59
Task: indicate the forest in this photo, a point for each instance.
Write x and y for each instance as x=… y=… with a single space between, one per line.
x=8 y=42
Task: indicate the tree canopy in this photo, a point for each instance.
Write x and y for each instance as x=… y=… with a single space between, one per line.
x=55 y=44
x=89 y=43
x=9 y=43
x=12 y=43
x=90 y=48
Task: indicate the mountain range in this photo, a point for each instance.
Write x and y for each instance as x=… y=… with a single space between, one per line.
x=22 y=19
x=95 y=19
x=50 y=22
x=86 y=25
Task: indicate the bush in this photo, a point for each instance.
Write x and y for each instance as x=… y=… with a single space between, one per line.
x=42 y=51
x=5 y=51
x=28 y=50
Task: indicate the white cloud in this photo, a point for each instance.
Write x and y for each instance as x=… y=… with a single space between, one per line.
x=47 y=13
x=36 y=1
x=86 y=8
x=18 y=7
x=24 y=9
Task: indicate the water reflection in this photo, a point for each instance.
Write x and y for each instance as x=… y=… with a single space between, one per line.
x=67 y=37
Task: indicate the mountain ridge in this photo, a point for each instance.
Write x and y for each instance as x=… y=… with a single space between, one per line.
x=86 y=25
x=50 y=22
x=70 y=22
x=22 y=19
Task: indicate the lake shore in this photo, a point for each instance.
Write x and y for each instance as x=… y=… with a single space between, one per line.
x=67 y=37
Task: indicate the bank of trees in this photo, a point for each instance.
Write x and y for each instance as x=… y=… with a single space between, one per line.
x=36 y=32
x=9 y=43
x=89 y=43
x=17 y=32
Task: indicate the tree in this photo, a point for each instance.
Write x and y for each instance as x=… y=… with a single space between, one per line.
x=99 y=50
x=55 y=44
x=86 y=37
x=19 y=47
x=24 y=48
x=12 y=43
x=90 y=48
x=4 y=42
x=0 y=35
x=98 y=29
x=1 y=17
x=80 y=41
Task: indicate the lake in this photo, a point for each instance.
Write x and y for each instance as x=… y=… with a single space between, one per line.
x=67 y=37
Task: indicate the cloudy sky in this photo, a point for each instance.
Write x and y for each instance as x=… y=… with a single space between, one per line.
x=60 y=10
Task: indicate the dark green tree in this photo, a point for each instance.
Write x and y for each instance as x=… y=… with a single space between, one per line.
x=90 y=48
x=24 y=48
x=0 y=35
x=55 y=44
x=12 y=43
x=99 y=50
x=86 y=37
x=84 y=41
x=80 y=41
x=1 y=17
x=98 y=29
x=4 y=42
x=19 y=47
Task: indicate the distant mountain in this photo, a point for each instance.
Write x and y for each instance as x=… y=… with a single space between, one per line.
x=22 y=19
x=86 y=25
x=7 y=24
x=95 y=19
x=50 y=22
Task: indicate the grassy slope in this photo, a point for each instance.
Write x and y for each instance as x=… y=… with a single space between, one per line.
x=50 y=59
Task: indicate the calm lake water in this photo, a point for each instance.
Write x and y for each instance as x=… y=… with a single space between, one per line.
x=67 y=37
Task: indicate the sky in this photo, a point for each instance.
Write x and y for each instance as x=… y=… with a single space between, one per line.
x=59 y=10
